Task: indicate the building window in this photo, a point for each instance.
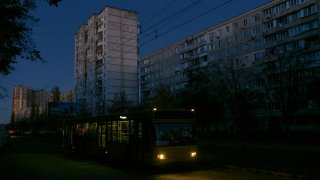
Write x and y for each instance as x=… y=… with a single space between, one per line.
x=228 y=40
x=258 y=56
x=256 y=30
x=211 y=57
x=245 y=34
x=245 y=22
x=246 y=59
x=246 y=47
x=227 y=28
x=235 y=25
x=257 y=43
x=211 y=36
x=308 y=11
x=146 y=61
x=220 y=32
x=235 y=37
x=256 y=18
x=211 y=47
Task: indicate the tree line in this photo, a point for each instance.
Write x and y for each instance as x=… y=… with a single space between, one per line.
x=238 y=99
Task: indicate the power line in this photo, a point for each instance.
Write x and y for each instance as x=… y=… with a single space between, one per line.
x=158 y=12
x=166 y=32
x=58 y=78
x=188 y=21
x=172 y=16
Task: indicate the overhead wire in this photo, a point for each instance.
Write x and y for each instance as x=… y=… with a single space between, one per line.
x=167 y=18
x=188 y=21
x=171 y=16
x=159 y=12
x=178 y=13
x=60 y=78
x=162 y=34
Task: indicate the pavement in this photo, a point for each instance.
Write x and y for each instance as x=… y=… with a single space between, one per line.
x=292 y=160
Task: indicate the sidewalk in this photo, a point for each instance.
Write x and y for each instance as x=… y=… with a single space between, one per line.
x=282 y=159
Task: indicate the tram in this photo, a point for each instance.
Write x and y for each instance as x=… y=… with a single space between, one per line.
x=155 y=137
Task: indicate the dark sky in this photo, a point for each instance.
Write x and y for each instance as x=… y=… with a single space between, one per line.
x=54 y=35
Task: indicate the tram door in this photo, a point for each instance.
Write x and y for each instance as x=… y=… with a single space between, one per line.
x=102 y=135
x=138 y=144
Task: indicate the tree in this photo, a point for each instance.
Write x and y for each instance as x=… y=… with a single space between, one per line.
x=119 y=104
x=53 y=2
x=55 y=94
x=239 y=93
x=163 y=98
x=15 y=33
x=15 y=37
x=285 y=80
x=13 y=118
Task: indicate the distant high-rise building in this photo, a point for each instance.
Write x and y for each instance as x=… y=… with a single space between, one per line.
x=19 y=102
x=67 y=96
x=27 y=101
x=106 y=58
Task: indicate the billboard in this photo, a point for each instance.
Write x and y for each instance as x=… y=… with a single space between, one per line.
x=64 y=109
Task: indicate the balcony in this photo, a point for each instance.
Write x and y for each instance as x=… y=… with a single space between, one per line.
x=281 y=27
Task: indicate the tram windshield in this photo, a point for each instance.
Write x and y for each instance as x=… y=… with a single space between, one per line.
x=174 y=134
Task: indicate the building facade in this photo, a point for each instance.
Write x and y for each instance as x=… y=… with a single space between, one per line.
x=248 y=39
x=106 y=60
x=27 y=102
x=67 y=96
x=19 y=102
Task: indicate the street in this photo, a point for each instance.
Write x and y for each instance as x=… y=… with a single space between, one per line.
x=43 y=158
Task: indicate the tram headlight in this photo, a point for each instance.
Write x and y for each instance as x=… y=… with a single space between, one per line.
x=193 y=154
x=161 y=156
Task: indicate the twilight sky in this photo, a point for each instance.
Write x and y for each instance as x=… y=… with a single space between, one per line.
x=54 y=35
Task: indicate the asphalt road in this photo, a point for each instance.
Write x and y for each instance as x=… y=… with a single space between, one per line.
x=42 y=158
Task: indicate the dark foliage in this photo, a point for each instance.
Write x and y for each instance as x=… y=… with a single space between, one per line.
x=119 y=104
x=16 y=26
x=54 y=2
x=56 y=94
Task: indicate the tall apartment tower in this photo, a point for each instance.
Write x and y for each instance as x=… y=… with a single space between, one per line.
x=248 y=39
x=19 y=102
x=26 y=101
x=106 y=60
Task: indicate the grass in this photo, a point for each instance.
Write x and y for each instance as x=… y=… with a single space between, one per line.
x=288 y=158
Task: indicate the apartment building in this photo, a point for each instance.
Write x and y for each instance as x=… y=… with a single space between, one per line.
x=27 y=101
x=67 y=96
x=19 y=102
x=247 y=40
x=106 y=60
x=158 y=69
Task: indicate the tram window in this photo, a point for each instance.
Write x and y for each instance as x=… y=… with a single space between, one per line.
x=123 y=130
x=140 y=131
x=119 y=131
x=168 y=134
x=92 y=129
x=82 y=128
x=99 y=135
x=111 y=131
x=103 y=135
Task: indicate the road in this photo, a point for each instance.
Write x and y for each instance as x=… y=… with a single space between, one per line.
x=42 y=158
